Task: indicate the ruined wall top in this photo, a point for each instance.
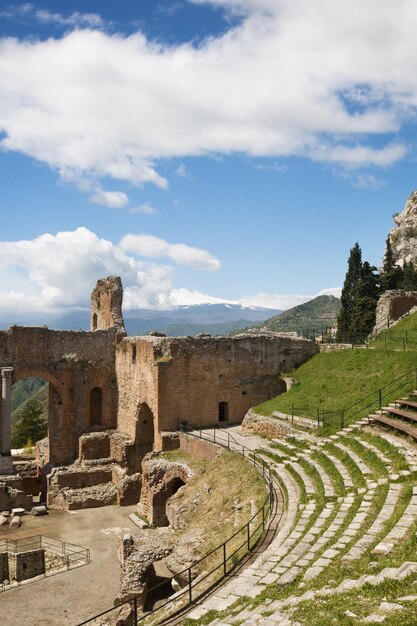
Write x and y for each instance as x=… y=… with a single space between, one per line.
x=106 y=305
x=392 y=305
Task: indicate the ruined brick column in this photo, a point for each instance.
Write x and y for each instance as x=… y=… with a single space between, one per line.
x=6 y=402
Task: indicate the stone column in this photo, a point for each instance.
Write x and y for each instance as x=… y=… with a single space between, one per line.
x=6 y=403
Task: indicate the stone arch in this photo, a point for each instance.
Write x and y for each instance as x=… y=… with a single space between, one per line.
x=45 y=451
x=160 y=501
x=96 y=406
x=145 y=430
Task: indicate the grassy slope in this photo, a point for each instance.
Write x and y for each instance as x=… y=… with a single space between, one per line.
x=333 y=381
x=401 y=336
x=213 y=493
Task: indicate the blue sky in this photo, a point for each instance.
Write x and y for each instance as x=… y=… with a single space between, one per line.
x=205 y=150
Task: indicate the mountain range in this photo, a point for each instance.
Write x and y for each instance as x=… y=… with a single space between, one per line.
x=216 y=319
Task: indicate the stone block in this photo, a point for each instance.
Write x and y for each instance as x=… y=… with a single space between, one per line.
x=94 y=446
x=30 y=564
x=39 y=510
x=15 y=522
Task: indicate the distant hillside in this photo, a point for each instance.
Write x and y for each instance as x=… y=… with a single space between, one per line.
x=315 y=315
x=221 y=328
x=24 y=389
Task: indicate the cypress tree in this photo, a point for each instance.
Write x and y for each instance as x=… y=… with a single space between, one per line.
x=353 y=275
x=392 y=275
x=365 y=300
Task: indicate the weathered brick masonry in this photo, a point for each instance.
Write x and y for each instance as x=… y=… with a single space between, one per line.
x=135 y=388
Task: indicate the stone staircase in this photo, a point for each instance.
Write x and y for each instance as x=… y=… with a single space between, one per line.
x=352 y=507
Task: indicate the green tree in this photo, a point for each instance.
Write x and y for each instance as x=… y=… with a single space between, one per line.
x=31 y=424
x=353 y=275
x=365 y=300
x=392 y=275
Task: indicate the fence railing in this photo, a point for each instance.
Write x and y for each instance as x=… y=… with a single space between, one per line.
x=378 y=398
x=72 y=554
x=206 y=572
x=318 y=414
x=374 y=400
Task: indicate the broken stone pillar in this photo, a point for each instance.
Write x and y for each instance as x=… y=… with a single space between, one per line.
x=6 y=421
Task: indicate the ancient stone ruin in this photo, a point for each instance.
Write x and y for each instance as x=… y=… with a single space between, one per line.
x=114 y=398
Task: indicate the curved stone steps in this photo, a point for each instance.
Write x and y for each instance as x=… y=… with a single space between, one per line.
x=360 y=464
x=306 y=479
x=321 y=534
x=401 y=528
x=288 y=554
x=326 y=481
x=292 y=509
x=410 y=455
x=387 y=511
x=330 y=542
x=342 y=469
x=381 y=455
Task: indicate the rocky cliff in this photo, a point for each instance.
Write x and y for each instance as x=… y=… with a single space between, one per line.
x=404 y=235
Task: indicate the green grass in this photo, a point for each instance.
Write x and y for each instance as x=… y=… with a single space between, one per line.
x=332 y=609
x=334 y=381
x=397 y=458
x=402 y=336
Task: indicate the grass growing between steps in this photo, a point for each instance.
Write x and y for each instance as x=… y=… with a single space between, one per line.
x=354 y=471
x=362 y=602
x=368 y=456
x=334 y=381
x=398 y=461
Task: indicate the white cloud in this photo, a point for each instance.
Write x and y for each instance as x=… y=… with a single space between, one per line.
x=316 y=80
x=112 y=199
x=146 y=208
x=50 y=263
x=46 y=266
x=369 y=181
x=189 y=297
x=76 y=19
x=182 y=171
x=154 y=247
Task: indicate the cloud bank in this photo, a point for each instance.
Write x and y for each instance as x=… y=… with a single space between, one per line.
x=47 y=265
x=312 y=79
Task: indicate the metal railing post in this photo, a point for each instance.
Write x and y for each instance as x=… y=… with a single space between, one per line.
x=248 y=536
x=380 y=397
x=190 y=586
x=224 y=559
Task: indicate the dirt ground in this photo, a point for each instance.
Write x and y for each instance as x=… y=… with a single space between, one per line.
x=68 y=598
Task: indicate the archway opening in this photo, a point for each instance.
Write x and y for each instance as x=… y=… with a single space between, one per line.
x=96 y=406
x=161 y=499
x=223 y=411
x=94 y=322
x=31 y=406
x=145 y=431
x=158 y=584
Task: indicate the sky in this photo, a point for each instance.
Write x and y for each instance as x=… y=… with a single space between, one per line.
x=203 y=150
